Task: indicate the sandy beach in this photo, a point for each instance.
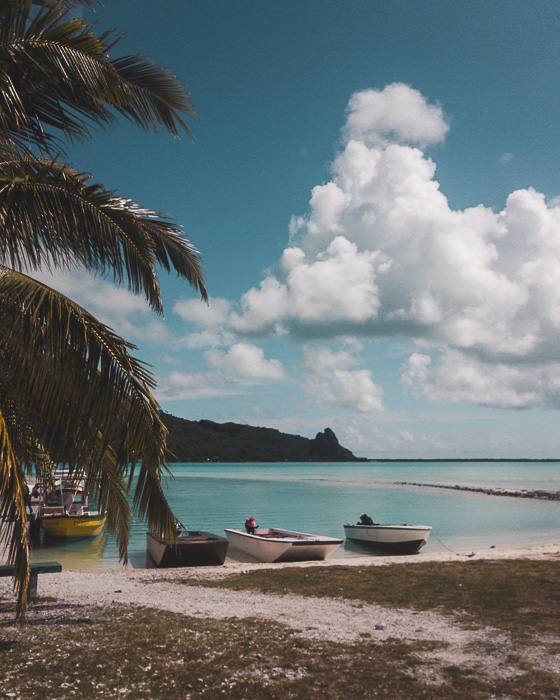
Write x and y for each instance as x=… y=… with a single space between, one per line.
x=129 y=585
x=313 y=618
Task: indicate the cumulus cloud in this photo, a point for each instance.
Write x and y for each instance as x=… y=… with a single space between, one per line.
x=457 y=377
x=336 y=289
x=381 y=254
x=175 y=386
x=395 y=114
x=331 y=382
x=245 y=360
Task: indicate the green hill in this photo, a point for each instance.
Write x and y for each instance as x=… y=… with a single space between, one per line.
x=206 y=441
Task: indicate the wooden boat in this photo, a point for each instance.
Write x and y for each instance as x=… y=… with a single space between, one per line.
x=272 y=544
x=193 y=548
x=64 y=513
x=404 y=539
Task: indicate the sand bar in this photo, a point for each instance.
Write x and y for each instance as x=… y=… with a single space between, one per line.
x=539 y=494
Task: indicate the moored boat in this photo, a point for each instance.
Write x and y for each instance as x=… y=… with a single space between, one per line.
x=274 y=545
x=402 y=539
x=64 y=512
x=72 y=527
x=193 y=548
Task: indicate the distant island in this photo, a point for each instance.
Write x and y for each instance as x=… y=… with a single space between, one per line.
x=206 y=441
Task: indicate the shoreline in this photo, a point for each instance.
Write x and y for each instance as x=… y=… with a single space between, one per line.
x=535 y=551
x=98 y=587
x=335 y=619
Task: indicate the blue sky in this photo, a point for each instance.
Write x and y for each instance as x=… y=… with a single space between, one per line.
x=375 y=190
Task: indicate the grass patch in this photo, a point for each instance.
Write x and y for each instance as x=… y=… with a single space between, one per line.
x=519 y=596
x=85 y=652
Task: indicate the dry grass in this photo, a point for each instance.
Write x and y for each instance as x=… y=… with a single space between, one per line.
x=85 y=652
x=519 y=596
x=122 y=651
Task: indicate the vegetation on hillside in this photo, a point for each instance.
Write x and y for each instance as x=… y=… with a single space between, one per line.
x=206 y=441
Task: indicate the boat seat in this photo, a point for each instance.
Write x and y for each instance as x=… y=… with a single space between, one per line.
x=53 y=510
x=76 y=509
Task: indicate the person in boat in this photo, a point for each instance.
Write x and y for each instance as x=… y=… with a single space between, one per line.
x=251 y=525
x=365 y=520
x=27 y=498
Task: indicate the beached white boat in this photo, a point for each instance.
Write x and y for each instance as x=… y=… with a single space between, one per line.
x=271 y=544
x=193 y=548
x=405 y=539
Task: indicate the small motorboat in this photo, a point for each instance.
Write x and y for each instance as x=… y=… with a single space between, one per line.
x=272 y=544
x=193 y=548
x=69 y=526
x=402 y=539
x=64 y=512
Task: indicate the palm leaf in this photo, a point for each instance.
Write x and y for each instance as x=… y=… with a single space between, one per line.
x=85 y=399
x=70 y=390
x=13 y=516
x=153 y=96
x=51 y=216
x=56 y=75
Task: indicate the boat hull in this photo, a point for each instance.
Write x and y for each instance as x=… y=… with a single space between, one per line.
x=273 y=545
x=193 y=548
x=72 y=527
x=402 y=539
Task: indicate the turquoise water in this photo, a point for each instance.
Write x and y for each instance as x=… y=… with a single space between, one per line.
x=320 y=498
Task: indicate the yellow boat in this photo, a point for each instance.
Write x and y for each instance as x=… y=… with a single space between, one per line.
x=64 y=513
x=67 y=526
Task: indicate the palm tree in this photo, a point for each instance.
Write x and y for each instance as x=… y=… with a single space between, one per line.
x=70 y=390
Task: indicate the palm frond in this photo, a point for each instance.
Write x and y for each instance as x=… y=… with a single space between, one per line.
x=51 y=216
x=70 y=389
x=85 y=398
x=57 y=76
x=153 y=96
x=13 y=515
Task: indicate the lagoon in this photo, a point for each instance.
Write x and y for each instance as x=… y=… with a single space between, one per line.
x=320 y=498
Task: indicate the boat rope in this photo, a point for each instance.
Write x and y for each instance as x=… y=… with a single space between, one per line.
x=459 y=554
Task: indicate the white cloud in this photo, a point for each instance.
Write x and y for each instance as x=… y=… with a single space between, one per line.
x=398 y=114
x=457 y=377
x=381 y=254
x=211 y=318
x=175 y=386
x=330 y=381
x=99 y=296
x=245 y=360
x=242 y=365
x=406 y=436
x=322 y=296
x=506 y=158
x=204 y=315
